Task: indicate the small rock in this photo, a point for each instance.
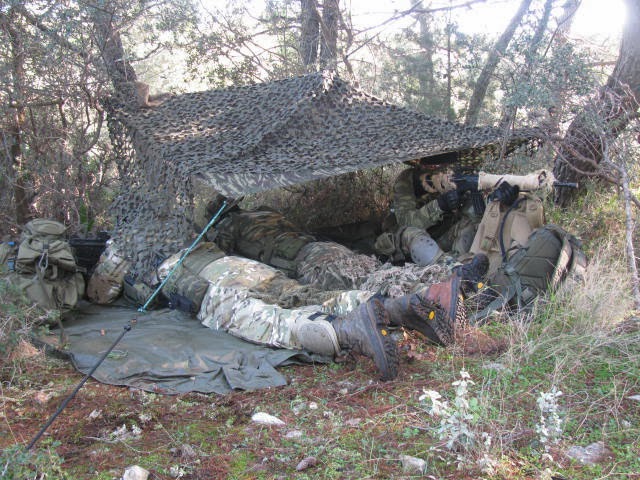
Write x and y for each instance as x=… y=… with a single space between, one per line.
x=413 y=465
x=590 y=455
x=135 y=472
x=266 y=419
x=343 y=391
x=187 y=451
x=293 y=434
x=307 y=463
x=95 y=414
x=353 y=422
x=313 y=406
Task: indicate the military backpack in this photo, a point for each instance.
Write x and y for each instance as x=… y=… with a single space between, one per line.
x=45 y=266
x=550 y=256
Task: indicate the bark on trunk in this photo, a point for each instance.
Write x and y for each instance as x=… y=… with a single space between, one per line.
x=18 y=118
x=120 y=71
x=616 y=104
x=329 y=38
x=425 y=40
x=310 y=32
x=482 y=84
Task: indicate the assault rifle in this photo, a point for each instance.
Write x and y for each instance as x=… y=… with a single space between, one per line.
x=474 y=184
x=487 y=181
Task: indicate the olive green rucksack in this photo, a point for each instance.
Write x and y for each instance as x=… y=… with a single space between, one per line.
x=549 y=257
x=45 y=267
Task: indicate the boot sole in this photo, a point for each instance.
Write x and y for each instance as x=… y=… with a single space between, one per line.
x=385 y=348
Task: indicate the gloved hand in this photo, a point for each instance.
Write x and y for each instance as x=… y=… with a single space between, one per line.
x=449 y=201
x=506 y=194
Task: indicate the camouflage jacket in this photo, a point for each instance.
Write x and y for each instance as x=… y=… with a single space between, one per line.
x=412 y=210
x=263 y=235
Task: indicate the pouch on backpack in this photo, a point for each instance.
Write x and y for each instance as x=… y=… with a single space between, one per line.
x=549 y=257
x=46 y=268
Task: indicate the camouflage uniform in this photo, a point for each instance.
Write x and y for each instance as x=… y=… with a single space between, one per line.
x=232 y=303
x=266 y=236
x=245 y=297
x=417 y=211
x=410 y=209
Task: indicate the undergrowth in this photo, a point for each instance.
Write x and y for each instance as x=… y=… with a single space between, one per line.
x=18 y=317
x=566 y=380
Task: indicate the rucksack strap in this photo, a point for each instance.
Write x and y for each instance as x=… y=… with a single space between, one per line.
x=521 y=278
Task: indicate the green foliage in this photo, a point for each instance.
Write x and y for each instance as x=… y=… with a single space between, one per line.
x=17 y=316
x=16 y=463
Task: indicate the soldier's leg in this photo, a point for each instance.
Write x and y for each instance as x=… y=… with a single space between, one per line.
x=420 y=246
x=229 y=305
x=233 y=310
x=331 y=266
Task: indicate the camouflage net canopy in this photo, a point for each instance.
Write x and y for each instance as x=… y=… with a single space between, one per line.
x=249 y=139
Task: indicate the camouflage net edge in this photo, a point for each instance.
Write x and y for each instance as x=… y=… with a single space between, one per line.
x=250 y=139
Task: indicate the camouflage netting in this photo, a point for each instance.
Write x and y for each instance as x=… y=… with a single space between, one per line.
x=249 y=139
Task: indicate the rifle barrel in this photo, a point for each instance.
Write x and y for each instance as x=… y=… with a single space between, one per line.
x=565 y=184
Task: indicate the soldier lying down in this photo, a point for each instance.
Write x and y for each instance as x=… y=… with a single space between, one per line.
x=244 y=297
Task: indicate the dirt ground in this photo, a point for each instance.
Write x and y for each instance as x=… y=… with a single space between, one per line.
x=337 y=418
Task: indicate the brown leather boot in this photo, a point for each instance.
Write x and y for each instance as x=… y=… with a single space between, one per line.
x=438 y=310
x=365 y=331
x=433 y=311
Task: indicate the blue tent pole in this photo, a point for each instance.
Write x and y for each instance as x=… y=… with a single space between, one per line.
x=184 y=255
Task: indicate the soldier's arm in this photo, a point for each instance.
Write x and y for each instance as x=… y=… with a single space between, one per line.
x=405 y=205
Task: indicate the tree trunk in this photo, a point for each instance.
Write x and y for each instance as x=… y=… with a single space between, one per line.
x=18 y=118
x=450 y=112
x=329 y=38
x=310 y=32
x=119 y=70
x=482 y=84
x=509 y=113
x=425 y=40
x=616 y=104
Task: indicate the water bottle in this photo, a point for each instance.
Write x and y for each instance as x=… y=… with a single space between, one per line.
x=11 y=262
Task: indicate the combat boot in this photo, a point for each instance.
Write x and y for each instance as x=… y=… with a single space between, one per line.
x=365 y=331
x=472 y=274
x=432 y=311
x=437 y=311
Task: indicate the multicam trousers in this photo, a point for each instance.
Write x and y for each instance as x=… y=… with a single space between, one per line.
x=234 y=302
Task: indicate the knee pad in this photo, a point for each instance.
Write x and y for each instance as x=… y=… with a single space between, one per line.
x=423 y=249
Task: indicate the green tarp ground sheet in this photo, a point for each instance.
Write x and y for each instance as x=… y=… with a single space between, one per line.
x=170 y=352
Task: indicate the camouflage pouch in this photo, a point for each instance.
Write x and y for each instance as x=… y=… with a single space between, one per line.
x=106 y=282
